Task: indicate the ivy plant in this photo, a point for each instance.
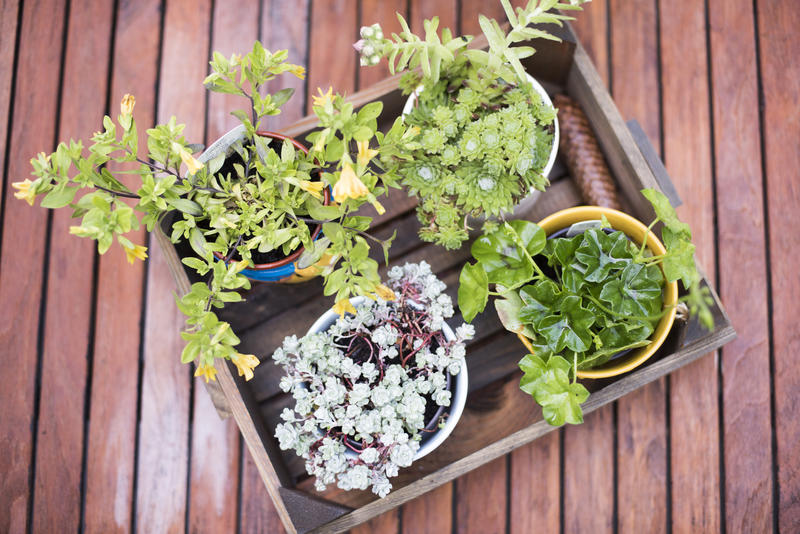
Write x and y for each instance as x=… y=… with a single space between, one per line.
x=487 y=133
x=579 y=300
x=263 y=196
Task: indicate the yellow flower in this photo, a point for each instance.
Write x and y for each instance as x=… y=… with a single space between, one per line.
x=384 y=292
x=323 y=98
x=25 y=191
x=190 y=162
x=412 y=132
x=315 y=188
x=349 y=185
x=343 y=306
x=126 y=106
x=245 y=363
x=298 y=71
x=138 y=251
x=364 y=152
x=206 y=371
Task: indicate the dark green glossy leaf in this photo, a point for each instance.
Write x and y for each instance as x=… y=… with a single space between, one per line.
x=602 y=253
x=569 y=328
x=637 y=290
x=539 y=300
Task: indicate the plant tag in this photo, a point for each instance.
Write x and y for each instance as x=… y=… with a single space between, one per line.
x=580 y=227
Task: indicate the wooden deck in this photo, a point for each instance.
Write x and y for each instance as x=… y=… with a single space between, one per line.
x=104 y=430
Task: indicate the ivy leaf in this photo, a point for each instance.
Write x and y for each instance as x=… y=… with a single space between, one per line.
x=569 y=328
x=508 y=310
x=473 y=291
x=601 y=253
x=539 y=299
x=679 y=261
x=666 y=213
x=501 y=259
x=549 y=384
x=637 y=291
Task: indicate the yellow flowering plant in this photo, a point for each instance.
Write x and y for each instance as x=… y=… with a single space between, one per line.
x=260 y=195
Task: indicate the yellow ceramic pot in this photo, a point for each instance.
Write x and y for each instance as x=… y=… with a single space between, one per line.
x=636 y=231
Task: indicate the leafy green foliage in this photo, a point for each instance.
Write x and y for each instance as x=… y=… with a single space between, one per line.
x=487 y=134
x=262 y=195
x=579 y=300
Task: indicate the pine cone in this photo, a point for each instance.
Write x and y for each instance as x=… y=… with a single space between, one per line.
x=583 y=156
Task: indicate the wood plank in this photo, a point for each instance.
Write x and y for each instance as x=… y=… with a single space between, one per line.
x=112 y=428
x=589 y=473
x=36 y=103
x=215 y=444
x=432 y=512
x=589 y=496
x=385 y=13
x=163 y=434
x=421 y=10
x=330 y=62
x=9 y=18
x=59 y=450
x=591 y=26
x=778 y=44
x=641 y=416
x=284 y=25
x=694 y=417
x=536 y=486
x=256 y=510
x=743 y=277
x=481 y=500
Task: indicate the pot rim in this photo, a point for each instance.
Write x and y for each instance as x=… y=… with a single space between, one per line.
x=635 y=230
x=460 y=381
x=326 y=201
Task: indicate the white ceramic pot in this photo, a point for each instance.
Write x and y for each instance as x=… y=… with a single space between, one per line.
x=459 y=383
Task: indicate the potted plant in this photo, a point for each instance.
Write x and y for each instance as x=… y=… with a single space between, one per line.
x=376 y=389
x=489 y=131
x=591 y=292
x=253 y=198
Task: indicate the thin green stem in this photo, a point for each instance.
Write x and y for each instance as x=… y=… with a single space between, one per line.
x=626 y=316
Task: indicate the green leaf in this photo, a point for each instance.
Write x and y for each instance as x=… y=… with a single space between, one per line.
x=602 y=253
x=549 y=384
x=509 y=312
x=473 y=291
x=282 y=96
x=637 y=291
x=370 y=111
x=59 y=197
x=666 y=213
x=679 y=262
x=502 y=260
x=539 y=299
x=187 y=206
x=569 y=328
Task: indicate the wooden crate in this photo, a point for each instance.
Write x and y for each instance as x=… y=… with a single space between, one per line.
x=498 y=416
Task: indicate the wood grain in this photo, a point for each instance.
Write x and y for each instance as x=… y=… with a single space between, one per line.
x=163 y=461
x=330 y=62
x=24 y=230
x=589 y=473
x=284 y=25
x=9 y=17
x=694 y=431
x=641 y=416
x=385 y=13
x=215 y=443
x=536 y=486
x=743 y=277
x=112 y=416
x=481 y=500
x=433 y=512
x=59 y=450
x=591 y=27
x=256 y=507
x=422 y=10
x=779 y=43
